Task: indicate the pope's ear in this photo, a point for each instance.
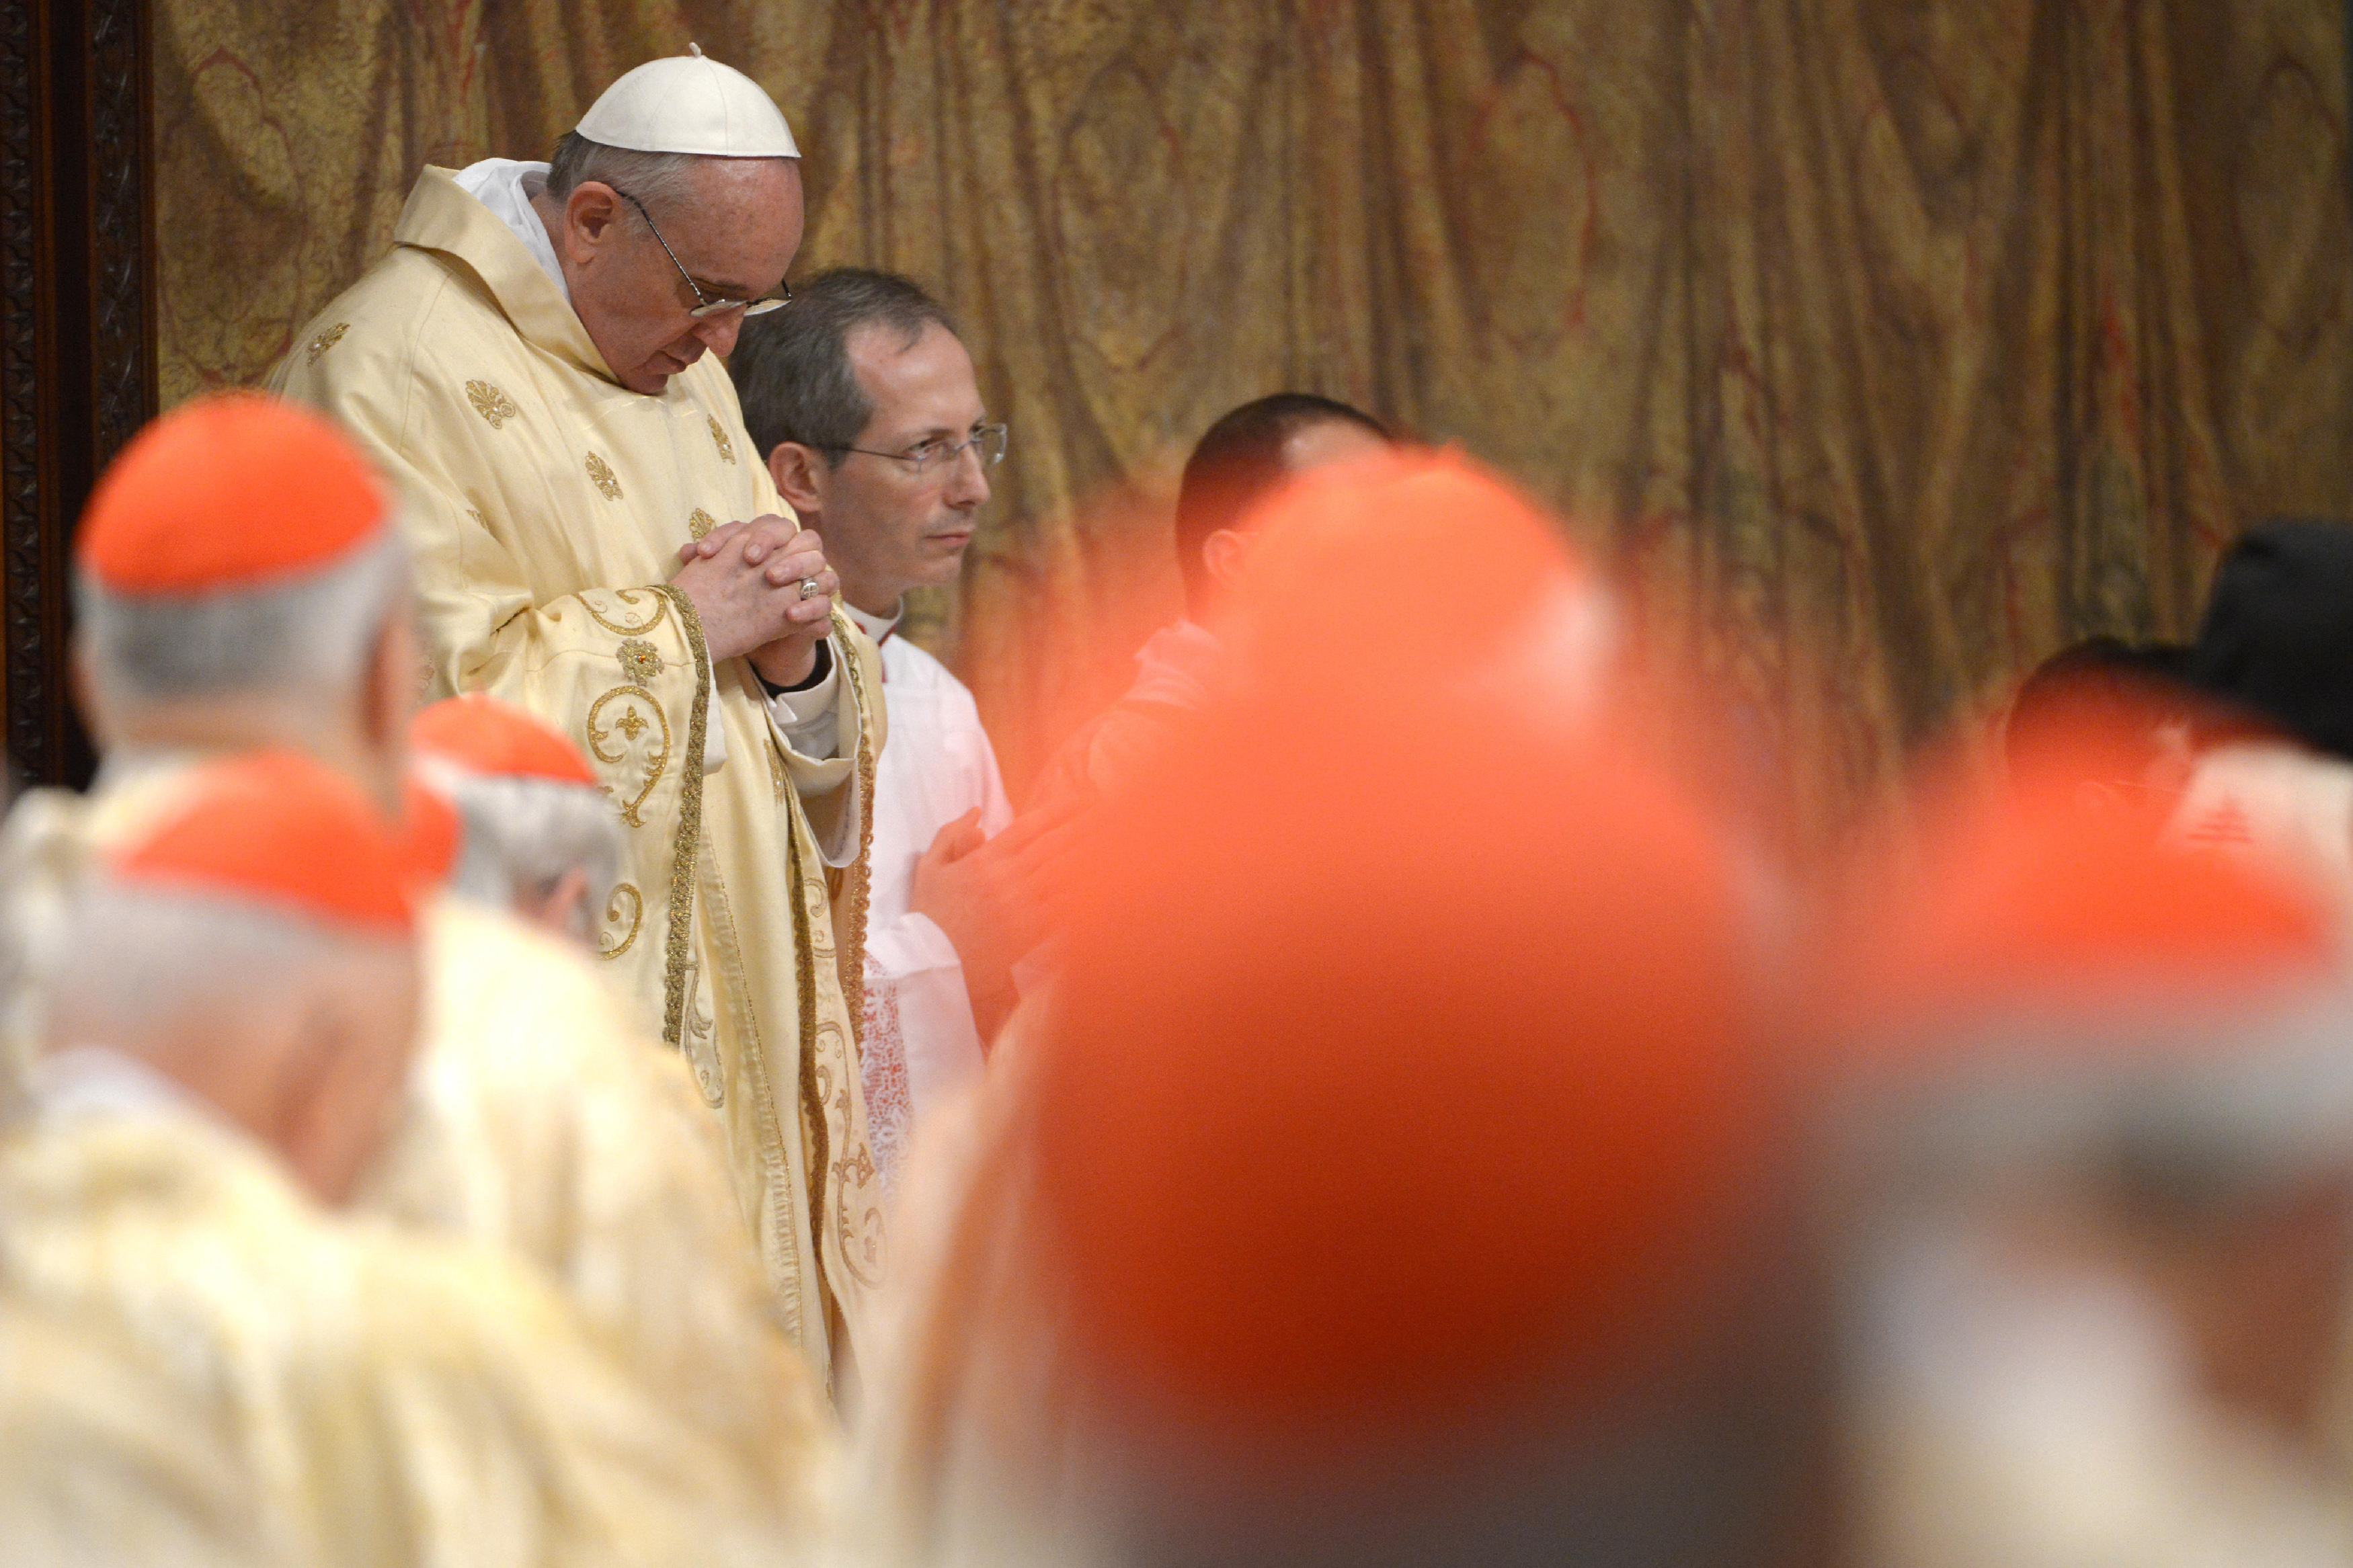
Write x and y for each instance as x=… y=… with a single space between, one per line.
x=592 y=212
x=800 y=473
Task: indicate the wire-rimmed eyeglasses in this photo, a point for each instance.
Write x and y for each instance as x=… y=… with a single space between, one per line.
x=987 y=442
x=706 y=306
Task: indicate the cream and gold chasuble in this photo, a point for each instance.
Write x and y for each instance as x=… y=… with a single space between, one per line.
x=547 y=504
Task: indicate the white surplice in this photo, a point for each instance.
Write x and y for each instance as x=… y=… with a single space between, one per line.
x=920 y=1042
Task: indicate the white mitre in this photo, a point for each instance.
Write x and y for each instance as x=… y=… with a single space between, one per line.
x=690 y=103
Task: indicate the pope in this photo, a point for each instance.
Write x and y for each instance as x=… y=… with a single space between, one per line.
x=534 y=362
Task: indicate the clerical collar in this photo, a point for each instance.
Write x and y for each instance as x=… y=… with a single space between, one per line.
x=505 y=186
x=443 y=217
x=878 y=627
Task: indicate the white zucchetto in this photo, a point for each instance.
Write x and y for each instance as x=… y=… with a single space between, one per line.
x=690 y=103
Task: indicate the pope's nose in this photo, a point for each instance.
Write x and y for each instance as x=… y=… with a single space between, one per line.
x=717 y=332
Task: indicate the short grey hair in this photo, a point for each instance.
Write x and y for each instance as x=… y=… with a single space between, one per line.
x=144 y=958
x=654 y=178
x=309 y=636
x=525 y=836
x=792 y=367
x=2138 y=1099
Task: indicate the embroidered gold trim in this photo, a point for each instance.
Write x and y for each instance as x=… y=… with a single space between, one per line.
x=636 y=917
x=680 y=938
x=492 y=404
x=851 y=957
x=816 y=1086
x=698 y=523
x=830 y=1178
x=721 y=923
x=598 y=735
x=640 y=660
x=325 y=341
x=601 y=475
x=630 y=599
x=726 y=447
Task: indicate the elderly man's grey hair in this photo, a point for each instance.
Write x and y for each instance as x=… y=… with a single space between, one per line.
x=525 y=836
x=143 y=960
x=657 y=179
x=309 y=636
x=2143 y=1102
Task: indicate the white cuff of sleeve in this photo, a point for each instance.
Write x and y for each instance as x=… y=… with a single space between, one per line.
x=912 y=944
x=807 y=718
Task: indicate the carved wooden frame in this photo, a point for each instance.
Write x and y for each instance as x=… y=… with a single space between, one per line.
x=77 y=327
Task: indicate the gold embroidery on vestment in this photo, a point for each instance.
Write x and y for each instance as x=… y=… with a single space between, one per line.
x=697 y=1044
x=855 y=1168
x=719 y=925
x=625 y=896
x=325 y=341
x=851 y=958
x=841 y=1174
x=632 y=599
x=689 y=826
x=828 y=1190
x=815 y=1083
x=640 y=661
x=492 y=404
x=859 y=1236
x=601 y=475
x=726 y=447
x=698 y=523
x=598 y=735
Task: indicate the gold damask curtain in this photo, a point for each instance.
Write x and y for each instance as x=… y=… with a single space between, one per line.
x=1888 y=344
